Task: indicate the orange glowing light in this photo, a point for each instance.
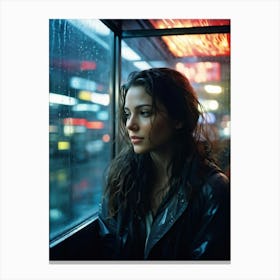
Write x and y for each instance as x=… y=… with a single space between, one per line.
x=95 y=125
x=195 y=45
x=174 y=23
x=106 y=138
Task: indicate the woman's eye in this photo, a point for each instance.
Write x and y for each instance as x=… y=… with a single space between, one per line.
x=146 y=113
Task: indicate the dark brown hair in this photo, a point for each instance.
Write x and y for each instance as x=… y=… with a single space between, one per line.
x=129 y=173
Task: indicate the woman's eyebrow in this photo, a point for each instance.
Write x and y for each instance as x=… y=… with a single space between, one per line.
x=139 y=106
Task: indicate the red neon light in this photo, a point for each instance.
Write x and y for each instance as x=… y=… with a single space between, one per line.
x=73 y=65
x=95 y=125
x=83 y=122
x=74 y=121
x=201 y=71
x=88 y=65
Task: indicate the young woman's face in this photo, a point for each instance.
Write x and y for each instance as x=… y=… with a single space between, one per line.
x=149 y=131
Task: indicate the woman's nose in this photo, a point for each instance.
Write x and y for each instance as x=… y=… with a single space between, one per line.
x=131 y=123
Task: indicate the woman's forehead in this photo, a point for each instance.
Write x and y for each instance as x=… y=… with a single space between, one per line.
x=136 y=95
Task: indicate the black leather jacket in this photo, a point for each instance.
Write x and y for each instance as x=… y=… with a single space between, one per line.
x=193 y=223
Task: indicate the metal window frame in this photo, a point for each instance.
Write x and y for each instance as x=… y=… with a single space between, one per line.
x=176 y=31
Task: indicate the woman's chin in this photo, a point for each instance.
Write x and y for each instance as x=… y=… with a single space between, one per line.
x=139 y=150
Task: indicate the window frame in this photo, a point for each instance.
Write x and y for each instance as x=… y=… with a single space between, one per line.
x=118 y=36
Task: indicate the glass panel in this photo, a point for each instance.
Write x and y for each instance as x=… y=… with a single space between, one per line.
x=80 y=58
x=209 y=75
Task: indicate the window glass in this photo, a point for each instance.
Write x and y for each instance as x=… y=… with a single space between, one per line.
x=207 y=69
x=80 y=59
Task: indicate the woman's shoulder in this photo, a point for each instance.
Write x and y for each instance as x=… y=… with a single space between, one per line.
x=209 y=180
x=217 y=178
x=205 y=171
x=216 y=186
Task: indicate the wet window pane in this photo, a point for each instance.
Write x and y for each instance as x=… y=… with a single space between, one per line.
x=80 y=58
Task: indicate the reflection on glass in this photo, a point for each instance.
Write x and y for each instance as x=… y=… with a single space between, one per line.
x=79 y=129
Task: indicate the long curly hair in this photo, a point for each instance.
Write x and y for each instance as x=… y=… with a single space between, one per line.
x=129 y=173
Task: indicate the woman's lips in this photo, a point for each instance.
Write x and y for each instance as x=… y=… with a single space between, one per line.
x=136 y=139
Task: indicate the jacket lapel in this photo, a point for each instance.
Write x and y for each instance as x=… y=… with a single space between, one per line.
x=175 y=206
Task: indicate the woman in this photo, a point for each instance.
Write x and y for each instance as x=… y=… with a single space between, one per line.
x=165 y=199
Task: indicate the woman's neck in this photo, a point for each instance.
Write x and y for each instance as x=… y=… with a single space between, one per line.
x=161 y=164
x=160 y=183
